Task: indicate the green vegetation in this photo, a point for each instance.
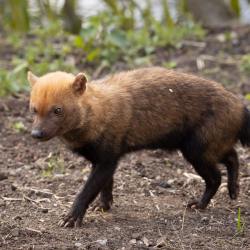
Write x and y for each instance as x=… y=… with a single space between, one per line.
x=18 y=127
x=244 y=65
x=46 y=39
x=55 y=164
x=107 y=38
x=240 y=221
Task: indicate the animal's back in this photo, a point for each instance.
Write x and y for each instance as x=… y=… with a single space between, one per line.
x=163 y=105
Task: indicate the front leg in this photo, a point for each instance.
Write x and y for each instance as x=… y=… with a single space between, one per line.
x=99 y=177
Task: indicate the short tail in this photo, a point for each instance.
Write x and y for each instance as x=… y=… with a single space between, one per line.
x=244 y=134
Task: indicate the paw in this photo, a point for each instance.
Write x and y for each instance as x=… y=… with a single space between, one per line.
x=233 y=192
x=100 y=206
x=73 y=219
x=196 y=205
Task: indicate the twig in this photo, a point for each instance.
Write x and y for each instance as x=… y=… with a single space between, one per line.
x=33 y=230
x=12 y=199
x=39 y=190
x=5 y=107
x=219 y=60
x=160 y=243
x=98 y=71
x=177 y=212
x=36 y=201
x=21 y=96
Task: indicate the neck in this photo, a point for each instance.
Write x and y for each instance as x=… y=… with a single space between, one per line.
x=92 y=111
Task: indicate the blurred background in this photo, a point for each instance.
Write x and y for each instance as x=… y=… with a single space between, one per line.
x=100 y=37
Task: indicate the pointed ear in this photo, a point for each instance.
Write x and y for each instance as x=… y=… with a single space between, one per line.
x=32 y=78
x=79 y=84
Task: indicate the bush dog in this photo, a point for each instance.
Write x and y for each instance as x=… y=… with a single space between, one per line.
x=147 y=108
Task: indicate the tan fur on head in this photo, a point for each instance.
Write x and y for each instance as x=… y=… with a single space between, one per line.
x=32 y=78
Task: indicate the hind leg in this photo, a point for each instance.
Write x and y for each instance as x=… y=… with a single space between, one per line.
x=212 y=176
x=106 y=198
x=231 y=161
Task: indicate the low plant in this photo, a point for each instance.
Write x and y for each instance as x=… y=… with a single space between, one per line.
x=241 y=223
x=55 y=164
x=104 y=40
x=244 y=65
x=18 y=127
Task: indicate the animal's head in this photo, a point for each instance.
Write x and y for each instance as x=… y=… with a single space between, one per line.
x=55 y=103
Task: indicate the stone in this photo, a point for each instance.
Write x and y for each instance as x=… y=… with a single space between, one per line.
x=14 y=186
x=133 y=241
x=137 y=236
x=15 y=232
x=164 y=184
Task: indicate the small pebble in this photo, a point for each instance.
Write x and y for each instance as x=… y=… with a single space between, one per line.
x=133 y=241
x=78 y=245
x=102 y=242
x=137 y=236
x=14 y=186
x=44 y=210
x=47 y=196
x=164 y=184
x=15 y=232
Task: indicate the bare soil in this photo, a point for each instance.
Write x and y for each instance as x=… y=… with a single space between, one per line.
x=144 y=215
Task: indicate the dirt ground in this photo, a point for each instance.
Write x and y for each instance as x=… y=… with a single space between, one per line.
x=145 y=215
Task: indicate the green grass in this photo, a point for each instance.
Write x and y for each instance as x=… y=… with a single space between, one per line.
x=241 y=223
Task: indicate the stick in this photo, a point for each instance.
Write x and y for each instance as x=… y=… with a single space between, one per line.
x=230 y=210
x=12 y=199
x=36 y=201
x=33 y=230
x=38 y=190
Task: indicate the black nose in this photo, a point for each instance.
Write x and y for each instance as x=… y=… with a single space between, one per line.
x=37 y=134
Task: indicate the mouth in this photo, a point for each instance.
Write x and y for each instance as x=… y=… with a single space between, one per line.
x=44 y=139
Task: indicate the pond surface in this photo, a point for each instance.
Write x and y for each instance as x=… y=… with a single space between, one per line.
x=87 y=8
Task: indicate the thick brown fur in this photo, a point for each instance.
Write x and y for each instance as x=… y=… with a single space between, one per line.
x=145 y=108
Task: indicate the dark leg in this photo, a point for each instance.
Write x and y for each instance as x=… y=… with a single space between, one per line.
x=99 y=177
x=212 y=176
x=232 y=164
x=106 y=198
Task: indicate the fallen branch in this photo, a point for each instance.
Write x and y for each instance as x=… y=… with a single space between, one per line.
x=33 y=230
x=36 y=201
x=12 y=199
x=230 y=210
x=39 y=190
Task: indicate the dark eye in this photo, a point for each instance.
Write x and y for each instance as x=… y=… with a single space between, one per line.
x=34 y=111
x=57 y=111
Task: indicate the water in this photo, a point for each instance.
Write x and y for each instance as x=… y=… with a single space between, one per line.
x=87 y=8
x=244 y=11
